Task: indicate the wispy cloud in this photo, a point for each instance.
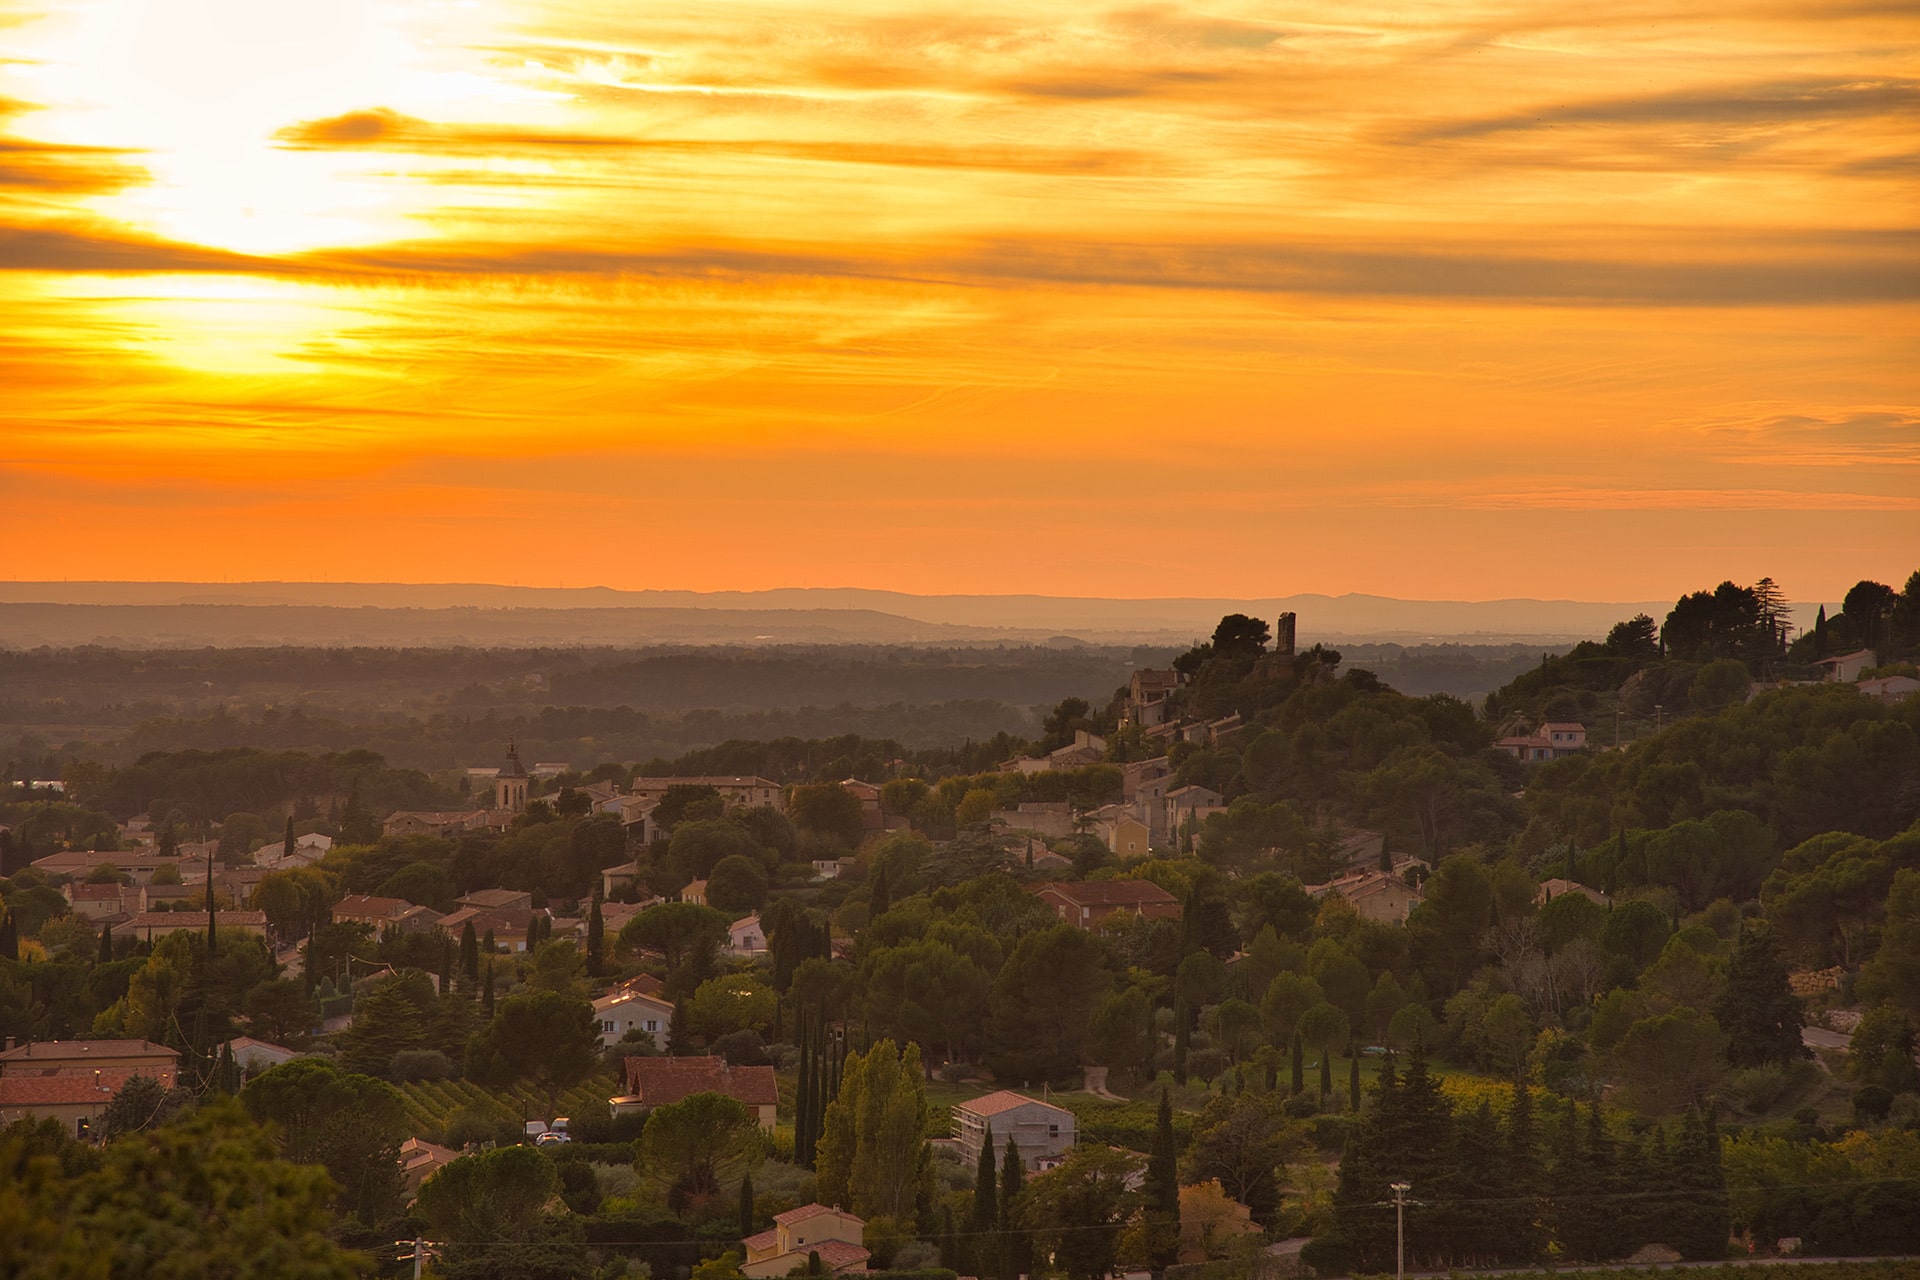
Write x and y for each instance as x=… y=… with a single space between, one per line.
x=1770 y=104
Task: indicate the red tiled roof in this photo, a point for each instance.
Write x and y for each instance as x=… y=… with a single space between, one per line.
x=661 y=1081
x=765 y=1240
x=69 y=1088
x=837 y=1254
x=994 y=1104
x=365 y=904
x=1111 y=893
x=805 y=1211
x=81 y=1052
x=94 y=892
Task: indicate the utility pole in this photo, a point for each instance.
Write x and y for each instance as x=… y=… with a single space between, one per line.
x=1400 y=1190
x=419 y=1247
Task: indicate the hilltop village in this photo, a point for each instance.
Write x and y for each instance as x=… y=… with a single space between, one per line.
x=1623 y=964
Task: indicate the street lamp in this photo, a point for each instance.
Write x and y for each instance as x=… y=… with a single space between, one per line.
x=1400 y=1190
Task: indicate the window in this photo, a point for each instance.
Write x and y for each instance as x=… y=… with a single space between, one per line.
x=1053 y=1131
x=653 y=1024
x=606 y=1025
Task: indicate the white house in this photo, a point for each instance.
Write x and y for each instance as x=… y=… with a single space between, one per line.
x=629 y=1010
x=745 y=937
x=1042 y=1131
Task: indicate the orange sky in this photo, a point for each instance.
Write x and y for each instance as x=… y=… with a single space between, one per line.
x=1461 y=299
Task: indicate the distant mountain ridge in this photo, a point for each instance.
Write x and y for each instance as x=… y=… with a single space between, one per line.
x=176 y=613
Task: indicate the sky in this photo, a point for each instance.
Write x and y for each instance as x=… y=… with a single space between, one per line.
x=1458 y=300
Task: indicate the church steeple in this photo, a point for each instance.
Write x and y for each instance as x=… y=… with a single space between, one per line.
x=510 y=785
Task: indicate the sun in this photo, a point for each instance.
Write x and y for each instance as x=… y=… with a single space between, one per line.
x=199 y=89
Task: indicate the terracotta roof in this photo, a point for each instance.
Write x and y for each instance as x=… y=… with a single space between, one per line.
x=94 y=892
x=1111 y=893
x=493 y=899
x=794 y=1216
x=994 y=1104
x=366 y=904
x=765 y=1240
x=68 y=1089
x=78 y=1051
x=197 y=919
x=667 y=1080
x=838 y=1255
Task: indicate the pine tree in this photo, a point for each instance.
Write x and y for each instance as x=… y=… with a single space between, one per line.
x=1605 y=1238
x=1521 y=1240
x=1016 y=1257
x=1469 y=1224
x=1369 y=1165
x=1758 y=1011
x=596 y=937
x=1702 y=1219
x=986 y=1253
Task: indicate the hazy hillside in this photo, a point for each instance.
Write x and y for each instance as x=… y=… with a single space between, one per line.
x=159 y=615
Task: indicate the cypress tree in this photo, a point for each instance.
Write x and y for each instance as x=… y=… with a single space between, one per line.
x=986 y=1260
x=1161 y=1189
x=1180 y=1039
x=1015 y=1255
x=1326 y=1077
x=746 y=1205
x=1353 y=1084
x=486 y=1000
x=487 y=945
x=596 y=937
x=226 y=1076
x=106 y=944
x=286 y=846
x=213 y=946
x=446 y=964
x=1299 y=1066
x=878 y=898
x=949 y=1252
x=1820 y=633
x=803 y=1097
x=679 y=1034
x=470 y=953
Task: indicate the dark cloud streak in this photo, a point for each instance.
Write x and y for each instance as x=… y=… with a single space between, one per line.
x=1772 y=103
